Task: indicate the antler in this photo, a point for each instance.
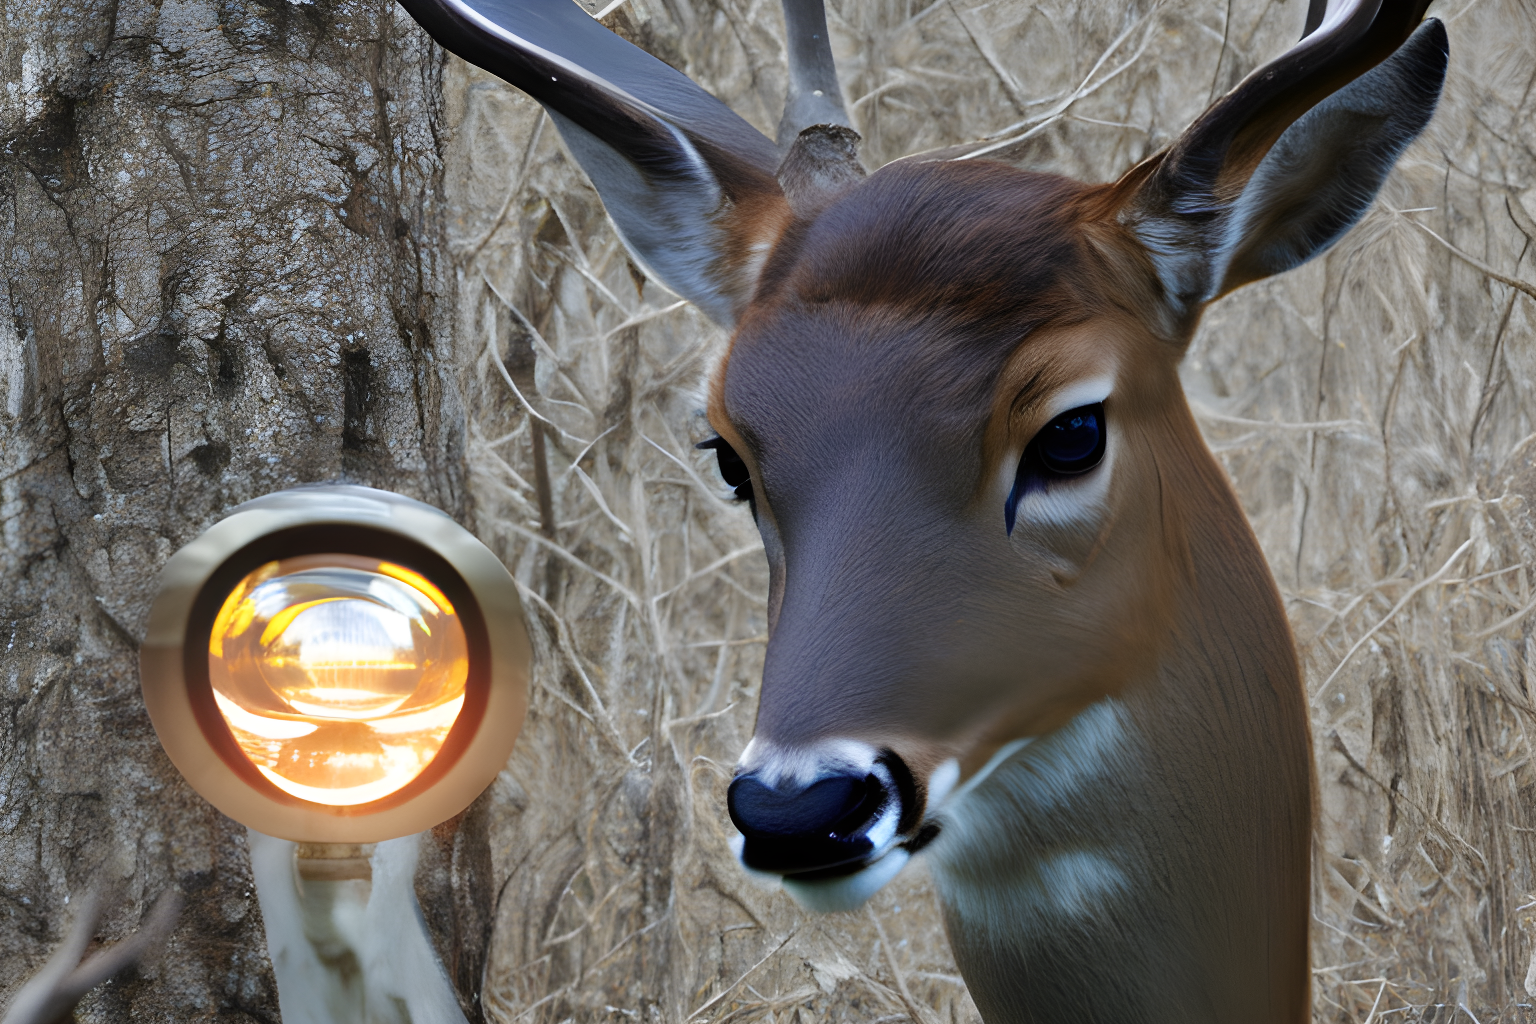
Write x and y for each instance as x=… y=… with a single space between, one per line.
x=50 y=997
x=814 y=95
x=564 y=58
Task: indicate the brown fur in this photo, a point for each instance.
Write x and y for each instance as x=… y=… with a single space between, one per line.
x=900 y=350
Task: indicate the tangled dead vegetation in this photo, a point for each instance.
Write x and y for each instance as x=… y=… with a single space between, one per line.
x=1375 y=409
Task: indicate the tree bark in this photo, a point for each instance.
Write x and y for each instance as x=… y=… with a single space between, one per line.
x=220 y=252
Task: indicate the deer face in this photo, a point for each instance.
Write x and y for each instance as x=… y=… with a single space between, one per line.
x=953 y=435
x=951 y=389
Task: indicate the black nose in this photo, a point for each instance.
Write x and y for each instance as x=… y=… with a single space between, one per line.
x=820 y=827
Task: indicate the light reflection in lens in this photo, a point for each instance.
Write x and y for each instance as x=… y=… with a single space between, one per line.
x=339 y=676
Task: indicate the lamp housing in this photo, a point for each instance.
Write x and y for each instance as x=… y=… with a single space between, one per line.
x=336 y=664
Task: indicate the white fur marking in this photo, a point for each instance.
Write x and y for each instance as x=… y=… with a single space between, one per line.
x=1065 y=884
x=883 y=832
x=942 y=782
x=849 y=892
x=998 y=862
x=1006 y=751
x=1071 y=502
x=776 y=764
x=1090 y=391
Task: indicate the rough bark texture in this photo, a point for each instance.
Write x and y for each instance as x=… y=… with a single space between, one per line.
x=221 y=240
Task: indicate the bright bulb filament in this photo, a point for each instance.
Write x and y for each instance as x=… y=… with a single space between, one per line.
x=339 y=676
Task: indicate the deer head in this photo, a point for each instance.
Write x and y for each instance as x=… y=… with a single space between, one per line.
x=951 y=400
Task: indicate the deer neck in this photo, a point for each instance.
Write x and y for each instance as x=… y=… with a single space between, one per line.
x=1150 y=859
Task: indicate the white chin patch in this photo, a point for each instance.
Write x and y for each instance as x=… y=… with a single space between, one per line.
x=848 y=892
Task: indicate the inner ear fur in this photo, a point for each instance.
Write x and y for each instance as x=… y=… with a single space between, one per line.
x=1321 y=175
x=1277 y=170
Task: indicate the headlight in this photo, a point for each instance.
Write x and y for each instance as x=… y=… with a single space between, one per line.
x=336 y=664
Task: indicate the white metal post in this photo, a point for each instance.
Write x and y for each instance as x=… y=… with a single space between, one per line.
x=345 y=934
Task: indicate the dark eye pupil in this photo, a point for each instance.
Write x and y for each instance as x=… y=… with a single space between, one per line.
x=1070 y=442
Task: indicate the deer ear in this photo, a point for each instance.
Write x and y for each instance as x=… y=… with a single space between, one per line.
x=1324 y=171
x=1278 y=170
x=688 y=183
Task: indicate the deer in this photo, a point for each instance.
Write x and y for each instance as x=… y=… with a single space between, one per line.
x=1017 y=618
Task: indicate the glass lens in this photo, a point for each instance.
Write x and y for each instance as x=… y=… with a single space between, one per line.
x=339 y=675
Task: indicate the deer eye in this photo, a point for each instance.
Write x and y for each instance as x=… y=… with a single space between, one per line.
x=1073 y=442
x=1069 y=445
x=732 y=469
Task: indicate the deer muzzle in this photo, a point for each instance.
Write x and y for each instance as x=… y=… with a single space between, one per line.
x=835 y=823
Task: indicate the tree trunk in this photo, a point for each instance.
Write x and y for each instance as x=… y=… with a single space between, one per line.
x=221 y=254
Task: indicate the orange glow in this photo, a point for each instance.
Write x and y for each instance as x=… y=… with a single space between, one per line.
x=338 y=675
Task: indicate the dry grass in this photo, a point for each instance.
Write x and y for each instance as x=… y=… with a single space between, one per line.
x=1374 y=408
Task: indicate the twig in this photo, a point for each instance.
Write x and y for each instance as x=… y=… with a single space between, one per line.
x=747 y=974
x=537 y=538
x=490 y=345
x=1503 y=624
x=541 y=481
x=1477 y=264
x=1377 y=1004
x=1010 y=86
x=686 y=468
x=563 y=641
x=52 y=994
x=1412 y=592
x=1083 y=91
x=919 y=1012
x=602 y=503
x=718 y=563
x=1205 y=413
x=517 y=186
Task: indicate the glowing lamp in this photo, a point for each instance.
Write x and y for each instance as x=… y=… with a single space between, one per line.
x=336 y=665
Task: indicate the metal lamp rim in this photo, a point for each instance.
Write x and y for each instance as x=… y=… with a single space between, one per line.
x=364 y=512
